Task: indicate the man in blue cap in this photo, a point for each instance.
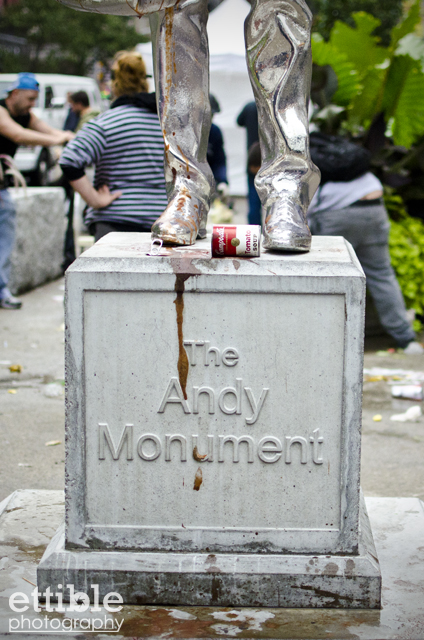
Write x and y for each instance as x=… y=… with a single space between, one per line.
x=18 y=125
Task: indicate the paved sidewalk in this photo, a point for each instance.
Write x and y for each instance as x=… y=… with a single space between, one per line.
x=32 y=338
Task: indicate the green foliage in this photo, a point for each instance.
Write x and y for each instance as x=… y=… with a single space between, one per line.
x=379 y=92
x=61 y=40
x=407 y=25
x=406 y=244
x=324 y=53
x=327 y=12
x=373 y=79
x=403 y=101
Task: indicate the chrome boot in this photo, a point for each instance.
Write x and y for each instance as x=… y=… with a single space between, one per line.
x=279 y=61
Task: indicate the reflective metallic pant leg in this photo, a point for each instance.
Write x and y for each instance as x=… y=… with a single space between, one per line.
x=279 y=60
x=181 y=53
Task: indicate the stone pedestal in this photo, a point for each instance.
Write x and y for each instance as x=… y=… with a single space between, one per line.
x=213 y=428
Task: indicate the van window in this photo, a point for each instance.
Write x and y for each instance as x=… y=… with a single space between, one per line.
x=3 y=89
x=48 y=96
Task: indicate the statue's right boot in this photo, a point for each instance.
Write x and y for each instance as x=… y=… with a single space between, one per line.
x=181 y=58
x=279 y=30
x=183 y=221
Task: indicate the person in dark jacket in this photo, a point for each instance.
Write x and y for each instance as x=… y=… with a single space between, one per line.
x=248 y=118
x=216 y=153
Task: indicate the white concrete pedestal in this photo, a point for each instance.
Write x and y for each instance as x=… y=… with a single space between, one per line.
x=213 y=428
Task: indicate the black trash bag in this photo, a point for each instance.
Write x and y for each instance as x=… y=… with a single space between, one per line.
x=338 y=159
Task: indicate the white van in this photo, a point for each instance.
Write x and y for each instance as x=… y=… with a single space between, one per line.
x=39 y=165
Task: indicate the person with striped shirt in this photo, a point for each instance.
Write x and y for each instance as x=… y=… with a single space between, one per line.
x=126 y=146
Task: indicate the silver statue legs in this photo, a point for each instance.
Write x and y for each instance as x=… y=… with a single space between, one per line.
x=279 y=61
x=181 y=55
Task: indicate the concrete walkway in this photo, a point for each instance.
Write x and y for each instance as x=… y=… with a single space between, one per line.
x=32 y=401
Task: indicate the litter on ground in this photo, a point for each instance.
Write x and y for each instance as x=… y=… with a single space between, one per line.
x=413 y=414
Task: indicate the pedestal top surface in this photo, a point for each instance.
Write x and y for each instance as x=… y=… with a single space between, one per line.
x=129 y=251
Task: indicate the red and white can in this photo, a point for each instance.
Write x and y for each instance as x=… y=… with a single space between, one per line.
x=236 y=240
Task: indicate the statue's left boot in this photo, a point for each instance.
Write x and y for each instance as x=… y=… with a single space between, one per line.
x=182 y=86
x=279 y=61
x=285 y=226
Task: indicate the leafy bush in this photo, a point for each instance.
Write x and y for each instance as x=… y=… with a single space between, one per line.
x=375 y=80
x=406 y=245
x=326 y=13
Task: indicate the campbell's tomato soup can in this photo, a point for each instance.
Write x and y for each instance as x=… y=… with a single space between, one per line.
x=236 y=240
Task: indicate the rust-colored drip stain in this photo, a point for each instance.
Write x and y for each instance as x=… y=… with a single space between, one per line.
x=169 y=57
x=198 y=479
x=158 y=623
x=197 y=456
x=183 y=365
x=186 y=160
x=200 y=254
x=183 y=269
x=137 y=9
x=139 y=13
x=148 y=622
x=182 y=263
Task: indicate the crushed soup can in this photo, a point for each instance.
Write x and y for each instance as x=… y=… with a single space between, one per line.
x=236 y=240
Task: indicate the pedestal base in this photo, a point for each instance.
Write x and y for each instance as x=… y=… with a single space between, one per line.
x=220 y=579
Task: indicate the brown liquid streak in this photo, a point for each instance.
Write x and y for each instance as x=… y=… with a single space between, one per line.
x=135 y=9
x=169 y=56
x=186 y=160
x=183 y=364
